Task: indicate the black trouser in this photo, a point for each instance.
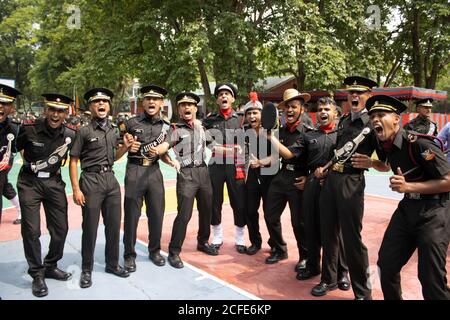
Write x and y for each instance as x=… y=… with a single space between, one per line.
x=192 y=183
x=421 y=224
x=102 y=194
x=51 y=193
x=342 y=206
x=143 y=184
x=3 y=181
x=256 y=188
x=311 y=212
x=281 y=192
x=221 y=174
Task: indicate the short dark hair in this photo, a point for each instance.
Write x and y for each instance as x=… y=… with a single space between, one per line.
x=325 y=101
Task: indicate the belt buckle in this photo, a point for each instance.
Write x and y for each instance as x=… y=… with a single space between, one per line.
x=414 y=196
x=146 y=162
x=43 y=174
x=290 y=167
x=338 y=167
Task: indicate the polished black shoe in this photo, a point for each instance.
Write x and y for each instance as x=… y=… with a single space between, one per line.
x=85 y=279
x=322 y=288
x=117 y=271
x=252 y=250
x=39 y=288
x=275 y=257
x=241 y=249
x=343 y=283
x=130 y=264
x=58 y=274
x=157 y=258
x=17 y=221
x=301 y=265
x=305 y=274
x=175 y=261
x=207 y=248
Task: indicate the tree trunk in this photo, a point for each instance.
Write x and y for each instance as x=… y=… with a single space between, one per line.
x=431 y=80
x=416 y=54
x=205 y=84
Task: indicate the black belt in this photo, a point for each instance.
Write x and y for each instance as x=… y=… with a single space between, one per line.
x=99 y=169
x=141 y=162
x=420 y=196
x=345 y=169
x=41 y=174
x=195 y=165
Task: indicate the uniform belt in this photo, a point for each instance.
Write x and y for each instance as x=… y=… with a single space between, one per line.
x=289 y=167
x=195 y=165
x=42 y=174
x=345 y=169
x=141 y=162
x=99 y=169
x=420 y=196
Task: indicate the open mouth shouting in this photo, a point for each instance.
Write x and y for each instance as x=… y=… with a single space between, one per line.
x=291 y=116
x=102 y=112
x=2 y=114
x=323 y=118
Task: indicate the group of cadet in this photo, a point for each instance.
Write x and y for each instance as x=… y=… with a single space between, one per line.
x=317 y=170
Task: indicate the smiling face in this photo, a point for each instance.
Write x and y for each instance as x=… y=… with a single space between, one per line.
x=6 y=108
x=357 y=99
x=292 y=110
x=253 y=117
x=385 y=124
x=55 y=116
x=152 y=105
x=225 y=99
x=326 y=114
x=99 y=108
x=187 y=111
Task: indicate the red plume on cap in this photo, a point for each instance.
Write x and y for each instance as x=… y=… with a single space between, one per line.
x=253 y=96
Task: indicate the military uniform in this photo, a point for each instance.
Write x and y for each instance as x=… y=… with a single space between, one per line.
x=422 y=125
x=283 y=191
x=421 y=221
x=317 y=146
x=144 y=181
x=8 y=129
x=223 y=169
x=342 y=200
x=95 y=145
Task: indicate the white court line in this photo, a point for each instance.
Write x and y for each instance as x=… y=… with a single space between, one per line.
x=212 y=277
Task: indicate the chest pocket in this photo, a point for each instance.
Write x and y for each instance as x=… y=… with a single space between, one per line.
x=93 y=143
x=37 y=148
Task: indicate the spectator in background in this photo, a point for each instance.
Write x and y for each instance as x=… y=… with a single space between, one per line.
x=444 y=135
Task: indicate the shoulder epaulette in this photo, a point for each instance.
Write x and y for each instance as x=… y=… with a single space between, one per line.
x=70 y=126
x=212 y=114
x=29 y=122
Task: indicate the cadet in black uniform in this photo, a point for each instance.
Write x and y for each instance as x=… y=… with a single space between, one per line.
x=143 y=178
x=96 y=146
x=223 y=129
x=45 y=144
x=422 y=218
x=342 y=196
x=317 y=144
x=422 y=123
x=8 y=134
x=259 y=175
x=188 y=140
x=287 y=185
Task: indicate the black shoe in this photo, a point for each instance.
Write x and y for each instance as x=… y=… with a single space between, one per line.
x=130 y=264
x=85 y=279
x=322 y=288
x=118 y=271
x=208 y=249
x=241 y=249
x=175 y=261
x=58 y=274
x=343 y=283
x=275 y=257
x=39 y=288
x=305 y=274
x=17 y=221
x=301 y=265
x=157 y=258
x=252 y=250
x=217 y=245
